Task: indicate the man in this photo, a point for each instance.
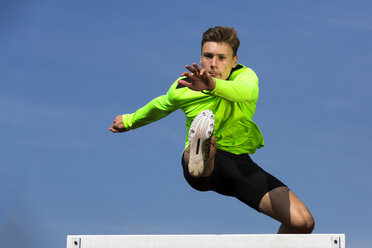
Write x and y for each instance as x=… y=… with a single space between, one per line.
x=219 y=100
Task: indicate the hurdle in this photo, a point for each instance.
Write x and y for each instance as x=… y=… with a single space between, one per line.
x=208 y=241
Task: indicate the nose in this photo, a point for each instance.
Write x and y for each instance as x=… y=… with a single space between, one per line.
x=214 y=62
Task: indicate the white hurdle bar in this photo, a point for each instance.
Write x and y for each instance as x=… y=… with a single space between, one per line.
x=208 y=241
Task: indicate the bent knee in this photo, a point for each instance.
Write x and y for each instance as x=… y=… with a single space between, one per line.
x=303 y=224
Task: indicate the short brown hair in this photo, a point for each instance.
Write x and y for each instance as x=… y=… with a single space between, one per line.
x=222 y=34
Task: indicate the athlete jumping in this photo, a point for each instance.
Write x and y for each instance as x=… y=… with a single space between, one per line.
x=219 y=100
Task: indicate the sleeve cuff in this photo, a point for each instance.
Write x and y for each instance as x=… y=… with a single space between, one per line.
x=207 y=92
x=125 y=122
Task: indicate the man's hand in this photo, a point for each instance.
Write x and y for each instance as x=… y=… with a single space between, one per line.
x=200 y=79
x=118 y=126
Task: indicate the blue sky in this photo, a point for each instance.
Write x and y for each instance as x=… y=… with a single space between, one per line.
x=67 y=68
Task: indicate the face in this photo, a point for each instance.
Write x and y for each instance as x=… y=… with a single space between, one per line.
x=217 y=59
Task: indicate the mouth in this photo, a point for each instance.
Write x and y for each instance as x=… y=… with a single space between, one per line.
x=213 y=74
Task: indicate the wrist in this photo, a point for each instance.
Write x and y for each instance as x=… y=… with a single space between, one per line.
x=212 y=85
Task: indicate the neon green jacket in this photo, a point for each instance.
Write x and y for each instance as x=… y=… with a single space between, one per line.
x=233 y=102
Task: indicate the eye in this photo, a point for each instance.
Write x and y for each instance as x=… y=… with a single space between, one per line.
x=221 y=57
x=208 y=55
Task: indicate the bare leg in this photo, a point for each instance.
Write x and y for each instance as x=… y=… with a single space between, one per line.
x=208 y=169
x=284 y=206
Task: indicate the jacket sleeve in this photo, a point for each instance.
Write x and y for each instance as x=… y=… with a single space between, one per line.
x=242 y=88
x=156 y=109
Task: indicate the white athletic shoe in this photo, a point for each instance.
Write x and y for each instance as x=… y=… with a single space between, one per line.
x=200 y=134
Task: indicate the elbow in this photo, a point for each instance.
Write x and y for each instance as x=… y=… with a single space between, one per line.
x=249 y=96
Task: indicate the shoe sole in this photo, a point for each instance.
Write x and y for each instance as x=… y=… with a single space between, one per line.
x=200 y=134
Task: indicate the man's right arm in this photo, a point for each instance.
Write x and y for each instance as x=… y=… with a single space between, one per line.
x=156 y=109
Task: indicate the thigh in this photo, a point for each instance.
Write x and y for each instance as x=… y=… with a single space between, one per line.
x=251 y=182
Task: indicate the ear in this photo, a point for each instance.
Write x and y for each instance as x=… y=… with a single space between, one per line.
x=235 y=61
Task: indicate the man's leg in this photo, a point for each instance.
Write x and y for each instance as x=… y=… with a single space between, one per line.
x=284 y=206
x=200 y=139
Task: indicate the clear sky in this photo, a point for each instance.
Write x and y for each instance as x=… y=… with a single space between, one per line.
x=67 y=68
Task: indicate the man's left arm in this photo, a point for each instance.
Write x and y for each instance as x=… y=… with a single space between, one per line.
x=243 y=88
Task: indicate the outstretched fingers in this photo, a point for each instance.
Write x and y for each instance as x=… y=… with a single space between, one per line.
x=199 y=78
x=191 y=75
x=186 y=84
x=196 y=66
x=205 y=75
x=191 y=69
x=187 y=74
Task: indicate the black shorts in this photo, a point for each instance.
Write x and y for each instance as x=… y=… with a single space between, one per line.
x=237 y=176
